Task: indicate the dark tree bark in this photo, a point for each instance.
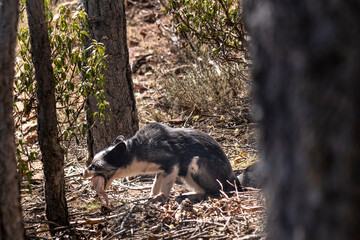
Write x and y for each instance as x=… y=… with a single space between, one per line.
x=306 y=70
x=107 y=24
x=10 y=211
x=52 y=154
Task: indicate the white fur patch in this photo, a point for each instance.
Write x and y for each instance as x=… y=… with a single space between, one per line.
x=169 y=181
x=138 y=168
x=189 y=181
x=100 y=155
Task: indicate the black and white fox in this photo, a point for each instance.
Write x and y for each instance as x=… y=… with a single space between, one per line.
x=171 y=153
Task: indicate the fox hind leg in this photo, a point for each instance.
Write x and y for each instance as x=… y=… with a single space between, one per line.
x=190 y=181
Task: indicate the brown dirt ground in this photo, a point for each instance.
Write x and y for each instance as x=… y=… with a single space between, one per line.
x=131 y=215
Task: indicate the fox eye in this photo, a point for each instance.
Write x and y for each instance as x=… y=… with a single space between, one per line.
x=94 y=168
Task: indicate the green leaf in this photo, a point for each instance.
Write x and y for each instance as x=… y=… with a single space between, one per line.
x=66 y=134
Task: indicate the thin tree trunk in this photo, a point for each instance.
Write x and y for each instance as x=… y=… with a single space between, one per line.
x=306 y=70
x=107 y=24
x=52 y=154
x=11 y=226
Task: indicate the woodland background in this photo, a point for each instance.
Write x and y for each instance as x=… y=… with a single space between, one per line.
x=179 y=79
x=116 y=66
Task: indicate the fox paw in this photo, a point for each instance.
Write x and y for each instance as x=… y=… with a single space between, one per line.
x=158 y=198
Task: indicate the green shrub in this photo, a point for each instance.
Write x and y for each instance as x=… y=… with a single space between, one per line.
x=78 y=74
x=218 y=24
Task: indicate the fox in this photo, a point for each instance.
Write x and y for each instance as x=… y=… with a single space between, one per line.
x=172 y=154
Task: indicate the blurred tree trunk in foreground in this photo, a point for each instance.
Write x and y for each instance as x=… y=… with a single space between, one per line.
x=52 y=154
x=306 y=71
x=107 y=24
x=10 y=211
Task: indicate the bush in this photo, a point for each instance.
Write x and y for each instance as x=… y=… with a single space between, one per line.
x=208 y=86
x=67 y=33
x=217 y=82
x=218 y=24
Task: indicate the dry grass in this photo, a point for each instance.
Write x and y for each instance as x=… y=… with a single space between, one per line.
x=211 y=87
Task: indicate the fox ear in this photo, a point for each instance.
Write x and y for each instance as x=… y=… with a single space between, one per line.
x=119 y=138
x=120 y=146
x=116 y=155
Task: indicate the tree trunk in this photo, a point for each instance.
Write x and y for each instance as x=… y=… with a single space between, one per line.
x=306 y=71
x=10 y=211
x=107 y=24
x=52 y=154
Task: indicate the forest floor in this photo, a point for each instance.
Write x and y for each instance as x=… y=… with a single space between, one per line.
x=131 y=215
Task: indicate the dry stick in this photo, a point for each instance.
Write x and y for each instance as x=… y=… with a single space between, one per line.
x=134 y=201
x=32 y=227
x=210 y=236
x=235 y=186
x=74 y=175
x=196 y=236
x=227 y=222
x=197 y=228
x=253 y=207
x=180 y=234
x=201 y=221
x=126 y=217
x=134 y=179
x=192 y=112
x=252 y=237
x=222 y=190
x=223 y=237
x=85 y=230
x=90 y=221
x=199 y=234
x=35 y=237
x=116 y=234
x=55 y=229
x=34 y=208
x=134 y=188
x=122 y=223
